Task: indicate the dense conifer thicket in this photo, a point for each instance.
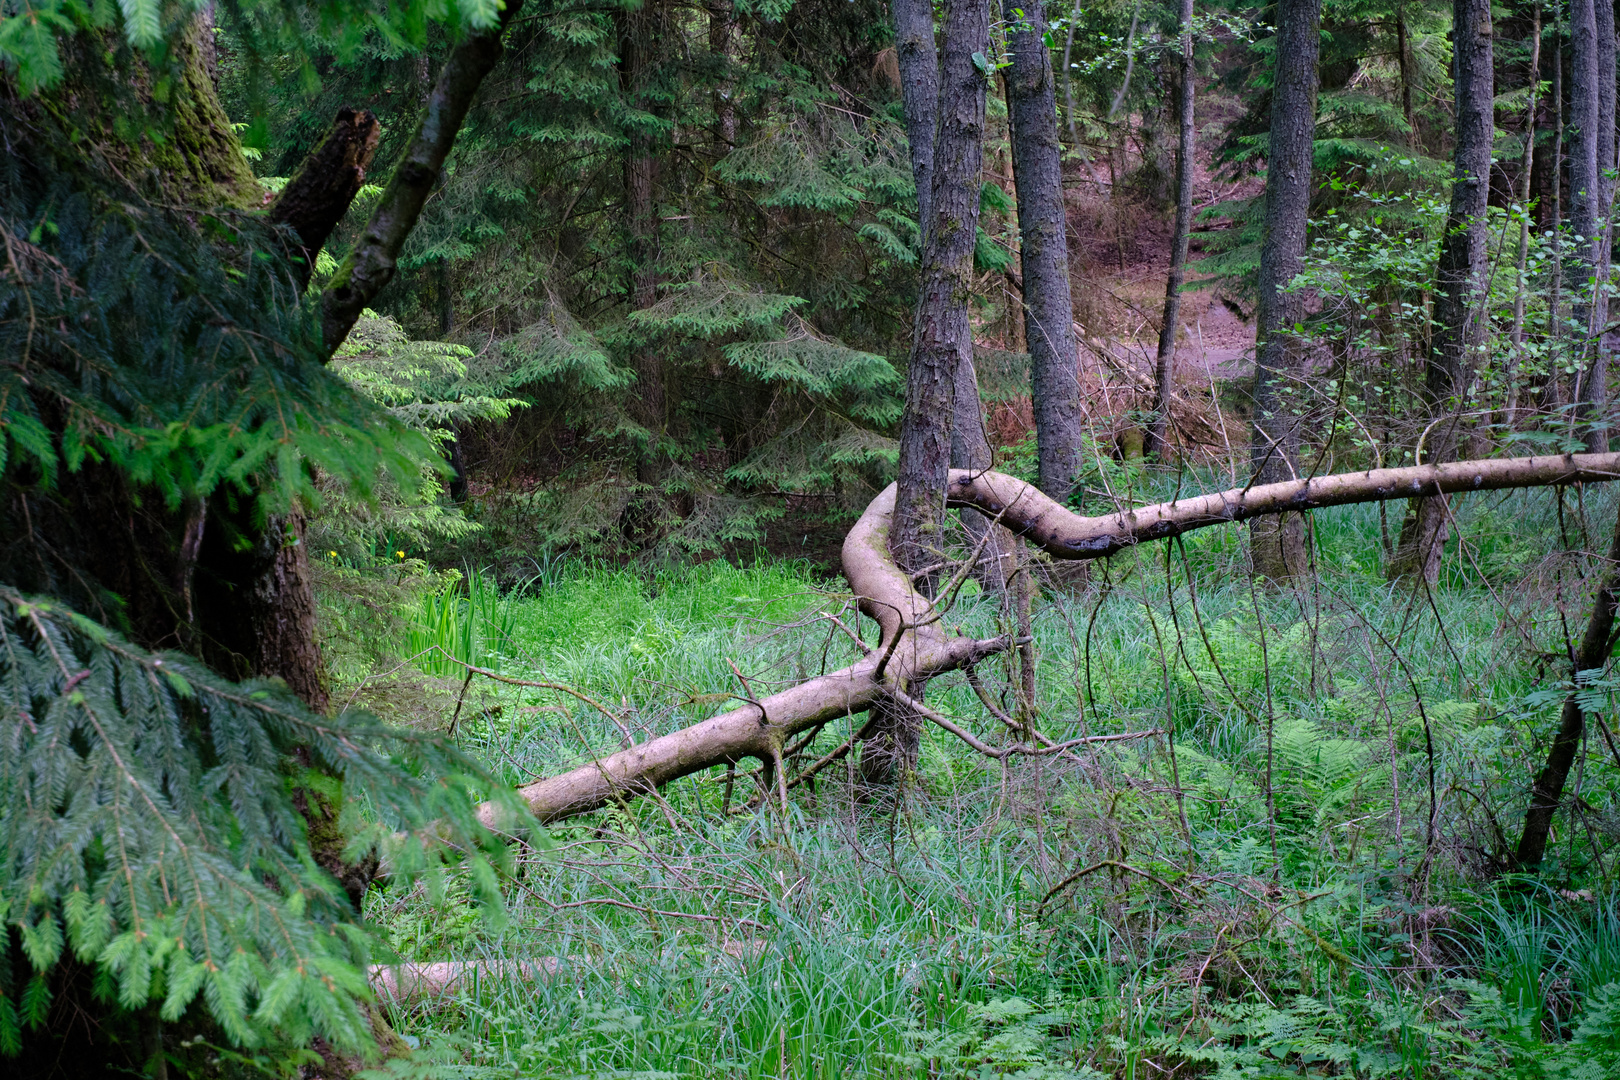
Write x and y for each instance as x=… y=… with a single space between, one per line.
x=430 y=433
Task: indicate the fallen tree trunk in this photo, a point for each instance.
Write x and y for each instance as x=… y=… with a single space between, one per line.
x=914 y=644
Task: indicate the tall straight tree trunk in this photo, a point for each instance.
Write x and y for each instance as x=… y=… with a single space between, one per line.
x=1460 y=286
x=1547 y=792
x=648 y=405
x=1277 y=545
x=942 y=335
x=1597 y=379
x=1585 y=188
x=1044 y=252
x=942 y=343
x=1164 y=366
x=1408 y=64
x=722 y=28
x=1526 y=170
x=1552 y=393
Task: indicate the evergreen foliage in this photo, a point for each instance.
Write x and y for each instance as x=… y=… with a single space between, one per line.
x=148 y=829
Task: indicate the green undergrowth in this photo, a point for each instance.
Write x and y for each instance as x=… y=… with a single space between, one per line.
x=1310 y=884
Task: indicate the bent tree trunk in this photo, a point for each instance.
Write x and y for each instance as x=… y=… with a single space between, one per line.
x=1460 y=286
x=1044 y=252
x=1277 y=545
x=915 y=645
x=1164 y=365
x=1593 y=656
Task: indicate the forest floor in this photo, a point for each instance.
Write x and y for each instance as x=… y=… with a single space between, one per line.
x=1260 y=895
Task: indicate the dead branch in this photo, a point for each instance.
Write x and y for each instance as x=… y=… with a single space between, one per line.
x=913 y=645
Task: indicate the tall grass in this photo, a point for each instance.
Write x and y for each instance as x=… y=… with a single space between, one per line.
x=1320 y=928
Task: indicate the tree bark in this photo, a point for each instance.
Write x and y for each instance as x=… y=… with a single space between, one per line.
x=1408 y=65
x=319 y=194
x=1461 y=284
x=1044 y=253
x=1552 y=393
x=918 y=61
x=1276 y=546
x=1585 y=189
x=649 y=406
x=1526 y=172
x=942 y=342
x=914 y=645
x=1593 y=655
x=942 y=336
x=372 y=263
x=722 y=28
x=1164 y=366
x=1597 y=378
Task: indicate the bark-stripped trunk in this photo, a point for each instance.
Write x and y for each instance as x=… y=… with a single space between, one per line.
x=1460 y=310
x=1164 y=366
x=1526 y=172
x=913 y=646
x=1277 y=546
x=1593 y=655
x=1044 y=253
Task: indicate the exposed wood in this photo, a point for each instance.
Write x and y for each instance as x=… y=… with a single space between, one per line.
x=914 y=644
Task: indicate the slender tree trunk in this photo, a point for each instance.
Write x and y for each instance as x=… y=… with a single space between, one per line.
x=1460 y=310
x=1044 y=253
x=1403 y=44
x=1593 y=655
x=1597 y=378
x=1552 y=393
x=1277 y=545
x=648 y=405
x=1585 y=188
x=1164 y=366
x=942 y=344
x=1526 y=170
x=943 y=337
x=1068 y=80
x=919 y=94
x=722 y=28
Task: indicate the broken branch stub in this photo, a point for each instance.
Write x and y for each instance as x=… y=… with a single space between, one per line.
x=915 y=645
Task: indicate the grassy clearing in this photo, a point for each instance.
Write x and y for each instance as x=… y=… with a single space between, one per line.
x=1340 y=919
